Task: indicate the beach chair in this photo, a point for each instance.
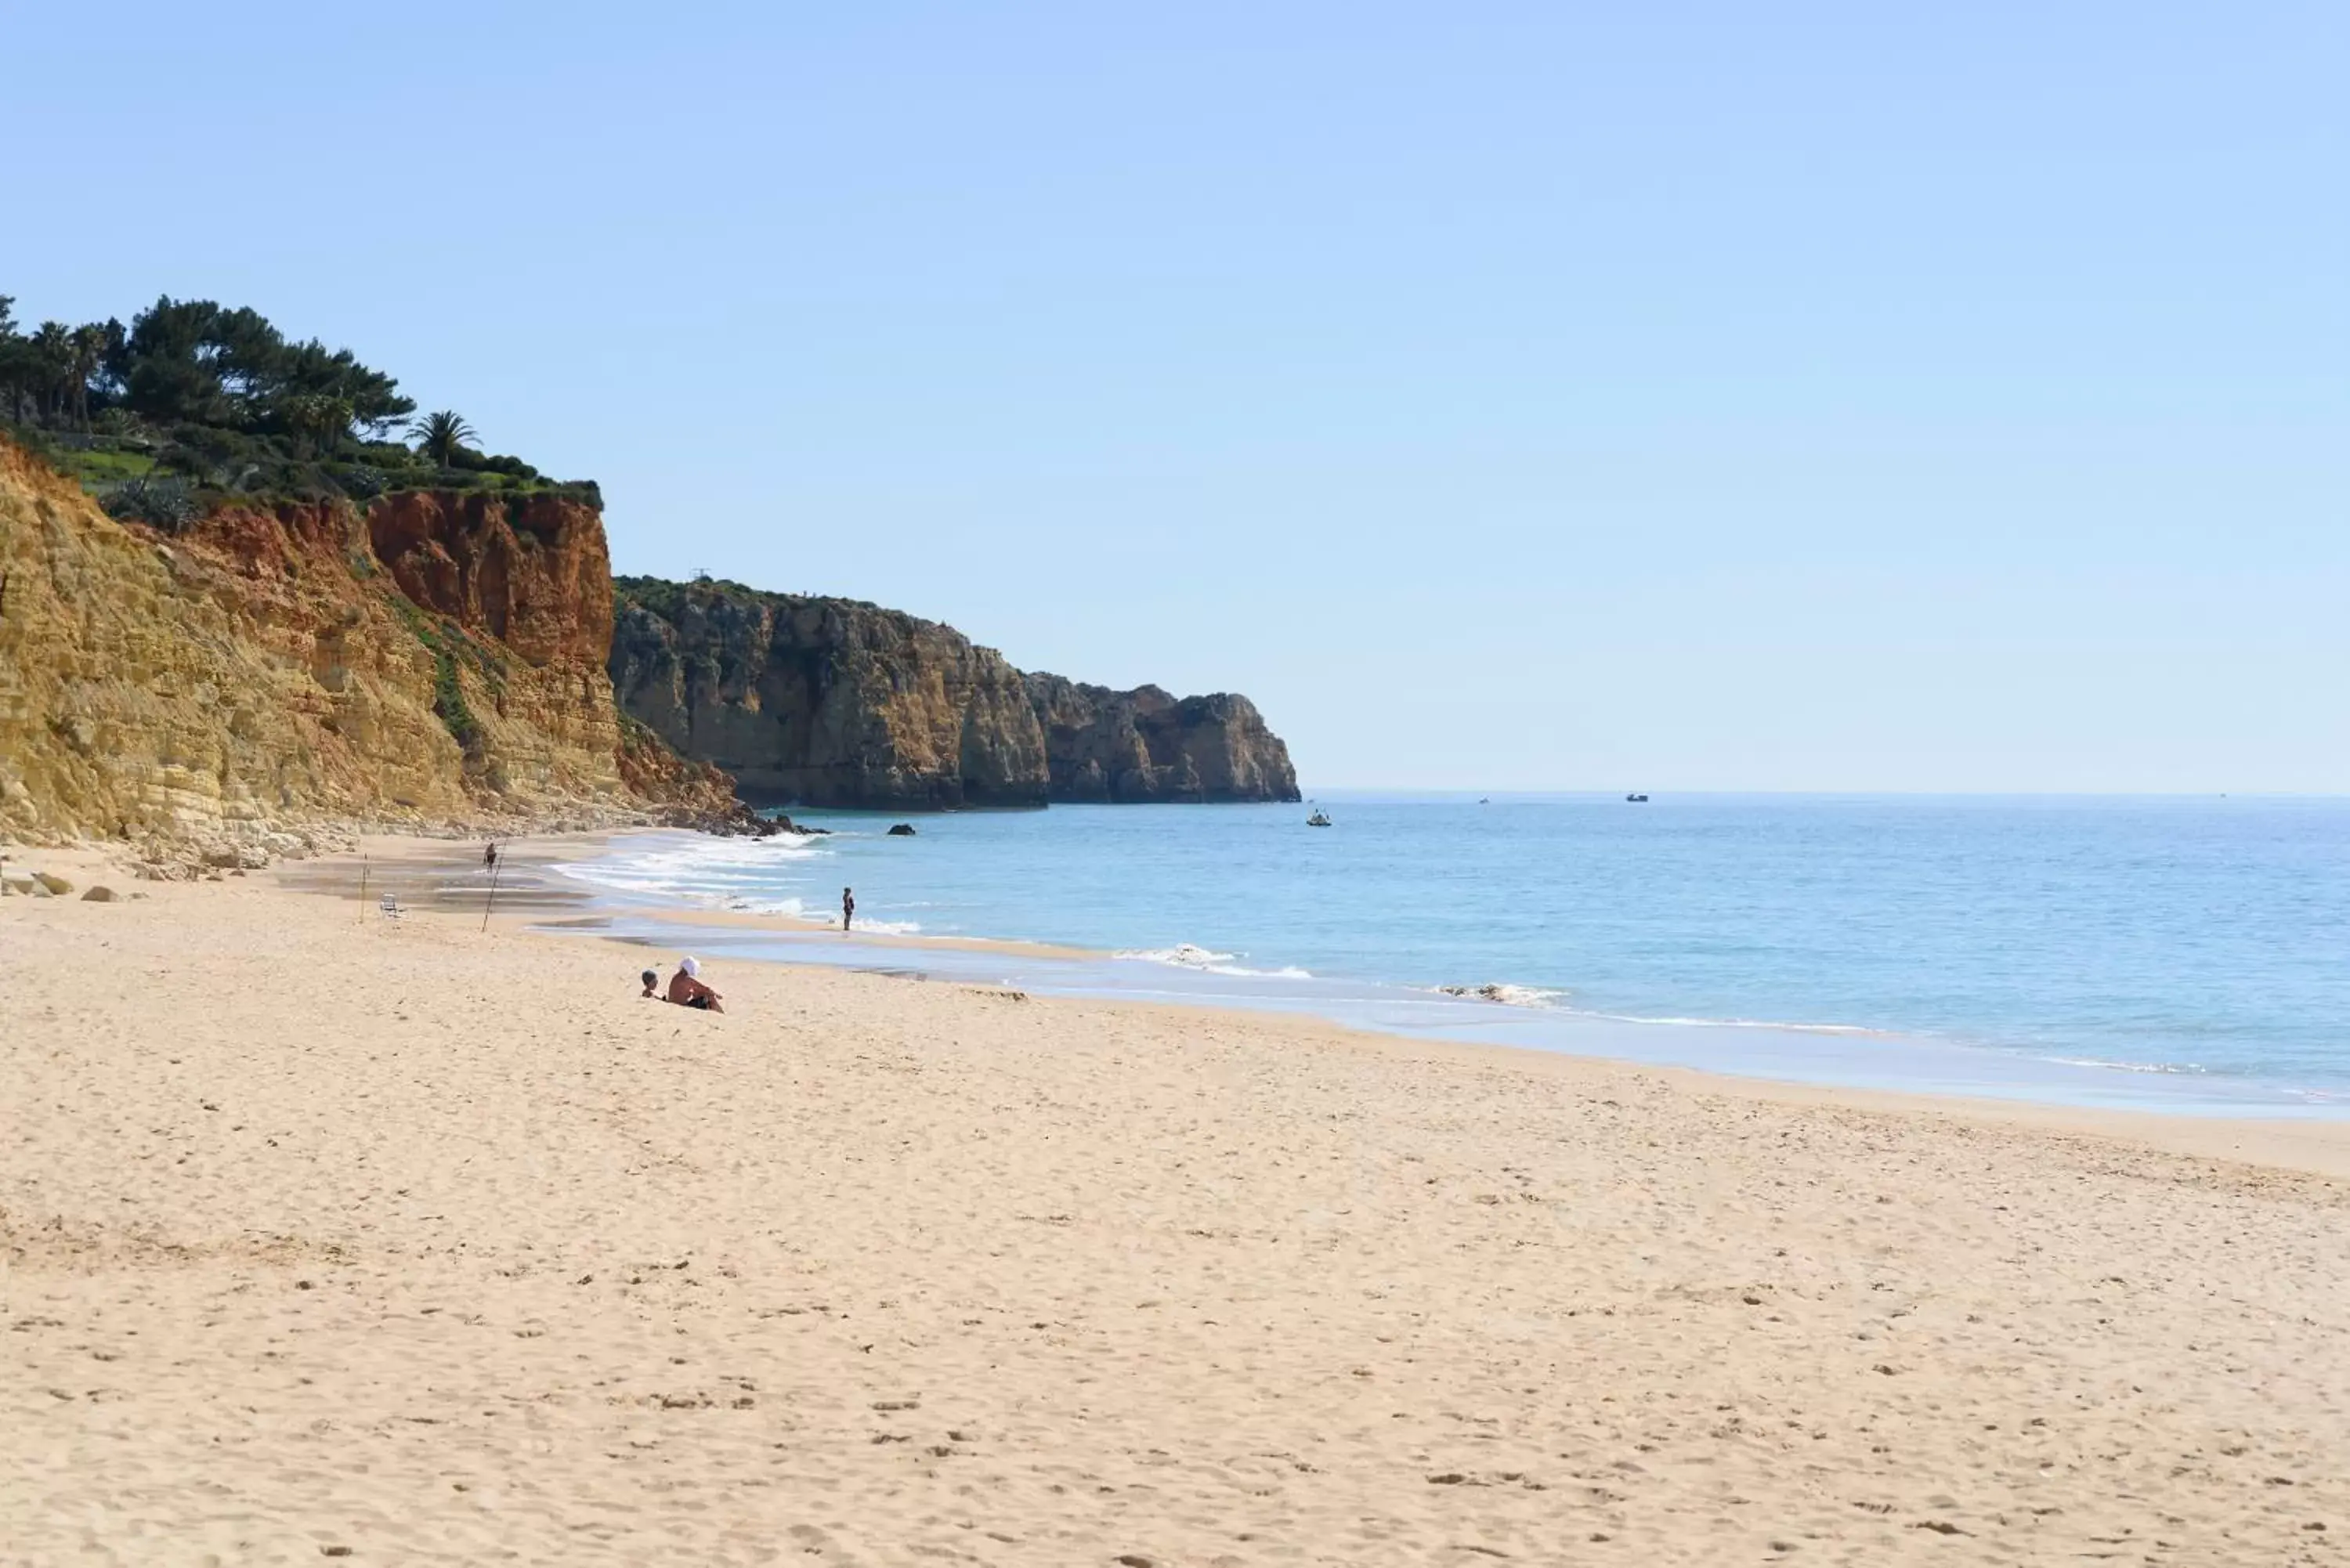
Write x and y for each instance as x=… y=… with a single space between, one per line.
x=389 y=906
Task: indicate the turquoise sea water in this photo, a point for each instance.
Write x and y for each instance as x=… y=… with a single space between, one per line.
x=2170 y=953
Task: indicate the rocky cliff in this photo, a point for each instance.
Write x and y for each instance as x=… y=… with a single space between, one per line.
x=825 y=701
x=434 y=660
x=834 y=702
x=1145 y=745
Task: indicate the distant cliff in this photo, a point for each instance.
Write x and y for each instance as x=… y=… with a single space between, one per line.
x=1145 y=745
x=430 y=659
x=825 y=701
x=834 y=702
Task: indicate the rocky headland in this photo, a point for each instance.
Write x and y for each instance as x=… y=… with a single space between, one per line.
x=1145 y=745
x=825 y=701
x=251 y=600
x=836 y=702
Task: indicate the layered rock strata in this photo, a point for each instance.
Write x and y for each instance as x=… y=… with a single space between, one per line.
x=834 y=703
x=436 y=660
x=825 y=701
x=1148 y=745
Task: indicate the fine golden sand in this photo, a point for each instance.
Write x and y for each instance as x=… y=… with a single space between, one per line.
x=324 y=1236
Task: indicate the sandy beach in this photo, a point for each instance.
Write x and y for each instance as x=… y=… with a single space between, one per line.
x=330 y=1236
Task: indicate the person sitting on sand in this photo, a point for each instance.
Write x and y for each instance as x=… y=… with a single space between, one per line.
x=685 y=988
x=651 y=978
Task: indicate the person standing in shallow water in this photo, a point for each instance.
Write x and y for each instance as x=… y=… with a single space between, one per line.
x=847 y=907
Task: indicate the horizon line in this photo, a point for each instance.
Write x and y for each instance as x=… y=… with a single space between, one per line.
x=1617 y=791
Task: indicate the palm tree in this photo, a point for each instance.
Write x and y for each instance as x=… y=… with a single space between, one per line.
x=88 y=344
x=442 y=436
x=53 y=354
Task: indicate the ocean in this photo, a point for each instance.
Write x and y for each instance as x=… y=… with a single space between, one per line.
x=2189 y=955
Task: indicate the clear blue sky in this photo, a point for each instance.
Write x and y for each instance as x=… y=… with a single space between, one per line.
x=1506 y=396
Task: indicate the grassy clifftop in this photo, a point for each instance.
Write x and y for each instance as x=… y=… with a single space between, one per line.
x=194 y=405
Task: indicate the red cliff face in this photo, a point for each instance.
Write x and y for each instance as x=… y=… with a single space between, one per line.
x=534 y=572
x=438 y=657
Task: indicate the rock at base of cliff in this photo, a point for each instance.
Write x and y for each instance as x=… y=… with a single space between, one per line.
x=57 y=886
x=99 y=895
x=736 y=821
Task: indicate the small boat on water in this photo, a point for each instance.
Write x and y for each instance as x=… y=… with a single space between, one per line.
x=1319 y=819
x=1637 y=799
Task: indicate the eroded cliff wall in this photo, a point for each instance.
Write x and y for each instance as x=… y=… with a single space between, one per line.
x=836 y=702
x=1148 y=745
x=825 y=701
x=437 y=660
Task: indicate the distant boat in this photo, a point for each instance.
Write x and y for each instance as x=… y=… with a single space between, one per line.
x=1484 y=800
x=1319 y=819
x=1637 y=799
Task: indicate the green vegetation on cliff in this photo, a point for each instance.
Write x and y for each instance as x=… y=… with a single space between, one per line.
x=194 y=404
x=445 y=640
x=424 y=657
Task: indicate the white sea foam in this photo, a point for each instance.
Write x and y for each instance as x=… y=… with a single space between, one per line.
x=1506 y=995
x=1185 y=955
x=2189 y=1069
x=1853 y=1029
x=866 y=923
x=717 y=873
x=790 y=908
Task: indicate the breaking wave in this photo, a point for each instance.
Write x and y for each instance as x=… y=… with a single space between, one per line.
x=1853 y=1029
x=1205 y=960
x=711 y=873
x=1507 y=995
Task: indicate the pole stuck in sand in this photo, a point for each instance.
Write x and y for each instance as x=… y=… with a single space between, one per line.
x=363 y=875
x=495 y=867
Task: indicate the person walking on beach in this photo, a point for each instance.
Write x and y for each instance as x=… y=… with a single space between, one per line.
x=847 y=907
x=489 y=855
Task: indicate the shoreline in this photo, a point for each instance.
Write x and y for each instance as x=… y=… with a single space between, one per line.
x=1801 y=1055
x=2318 y=1145
x=443 y=870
